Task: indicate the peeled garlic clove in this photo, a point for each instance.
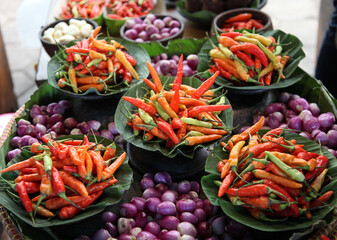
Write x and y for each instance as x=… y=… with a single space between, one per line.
x=57 y=34
x=86 y=30
x=48 y=38
x=49 y=31
x=74 y=22
x=66 y=39
x=72 y=30
x=82 y=23
x=61 y=26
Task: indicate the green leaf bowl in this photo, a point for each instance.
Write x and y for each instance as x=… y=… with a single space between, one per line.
x=241 y=215
x=111 y=195
x=140 y=55
x=126 y=132
x=291 y=44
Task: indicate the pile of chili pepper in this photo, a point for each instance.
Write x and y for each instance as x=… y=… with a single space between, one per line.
x=271 y=176
x=94 y=63
x=82 y=9
x=120 y=9
x=248 y=58
x=242 y=21
x=64 y=177
x=182 y=115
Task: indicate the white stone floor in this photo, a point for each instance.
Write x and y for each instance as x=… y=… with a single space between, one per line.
x=299 y=17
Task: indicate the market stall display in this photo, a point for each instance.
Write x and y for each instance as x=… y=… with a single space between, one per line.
x=97 y=68
x=49 y=159
x=234 y=69
x=234 y=207
x=172 y=122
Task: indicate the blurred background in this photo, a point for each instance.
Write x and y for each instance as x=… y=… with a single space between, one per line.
x=21 y=20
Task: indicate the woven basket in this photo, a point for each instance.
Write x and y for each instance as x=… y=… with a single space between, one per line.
x=7 y=223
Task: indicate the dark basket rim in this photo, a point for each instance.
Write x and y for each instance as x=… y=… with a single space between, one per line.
x=264 y=17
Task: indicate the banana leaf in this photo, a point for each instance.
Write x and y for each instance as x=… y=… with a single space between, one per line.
x=241 y=215
x=127 y=132
x=184 y=46
x=205 y=17
x=134 y=50
x=291 y=44
x=112 y=195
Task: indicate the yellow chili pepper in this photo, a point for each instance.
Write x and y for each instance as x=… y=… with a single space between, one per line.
x=96 y=55
x=119 y=54
x=72 y=78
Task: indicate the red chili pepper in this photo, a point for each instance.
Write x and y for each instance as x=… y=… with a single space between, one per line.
x=29 y=170
x=256 y=24
x=248 y=61
x=204 y=86
x=32 y=187
x=167 y=128
x=140 y=104
x=226 y=182
x=176 y=86
x=306 y=155
x=176 y=123
x=285 y=196
x=70 y=211
x=21 y=189
x=231 y=34
x=150 y=84
x=130 y=59
x=72 y=169
x=222 y=70
x=267 y=78
x=323 y=237
x=322 y=163
x=239 y=17
x=76 y=50
x=52 y=145
x=252 y=49
x=58 y=185
x=206 y=108
x=321 y=200
x=127 y=77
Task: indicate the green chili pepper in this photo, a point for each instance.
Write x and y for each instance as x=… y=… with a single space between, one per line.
x=81 y=75
x=75 y=12
x=225 y=50
x=196 y=122
x=199 y=123
x=160 y=109
x=48 y=163
x=60 y=74
x=94 y=62
x=146 y=117
x=278 y=50
x=291 y=172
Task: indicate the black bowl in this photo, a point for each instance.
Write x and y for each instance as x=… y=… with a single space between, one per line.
x=219 y=20
x=162 y=41
x=51 y=48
